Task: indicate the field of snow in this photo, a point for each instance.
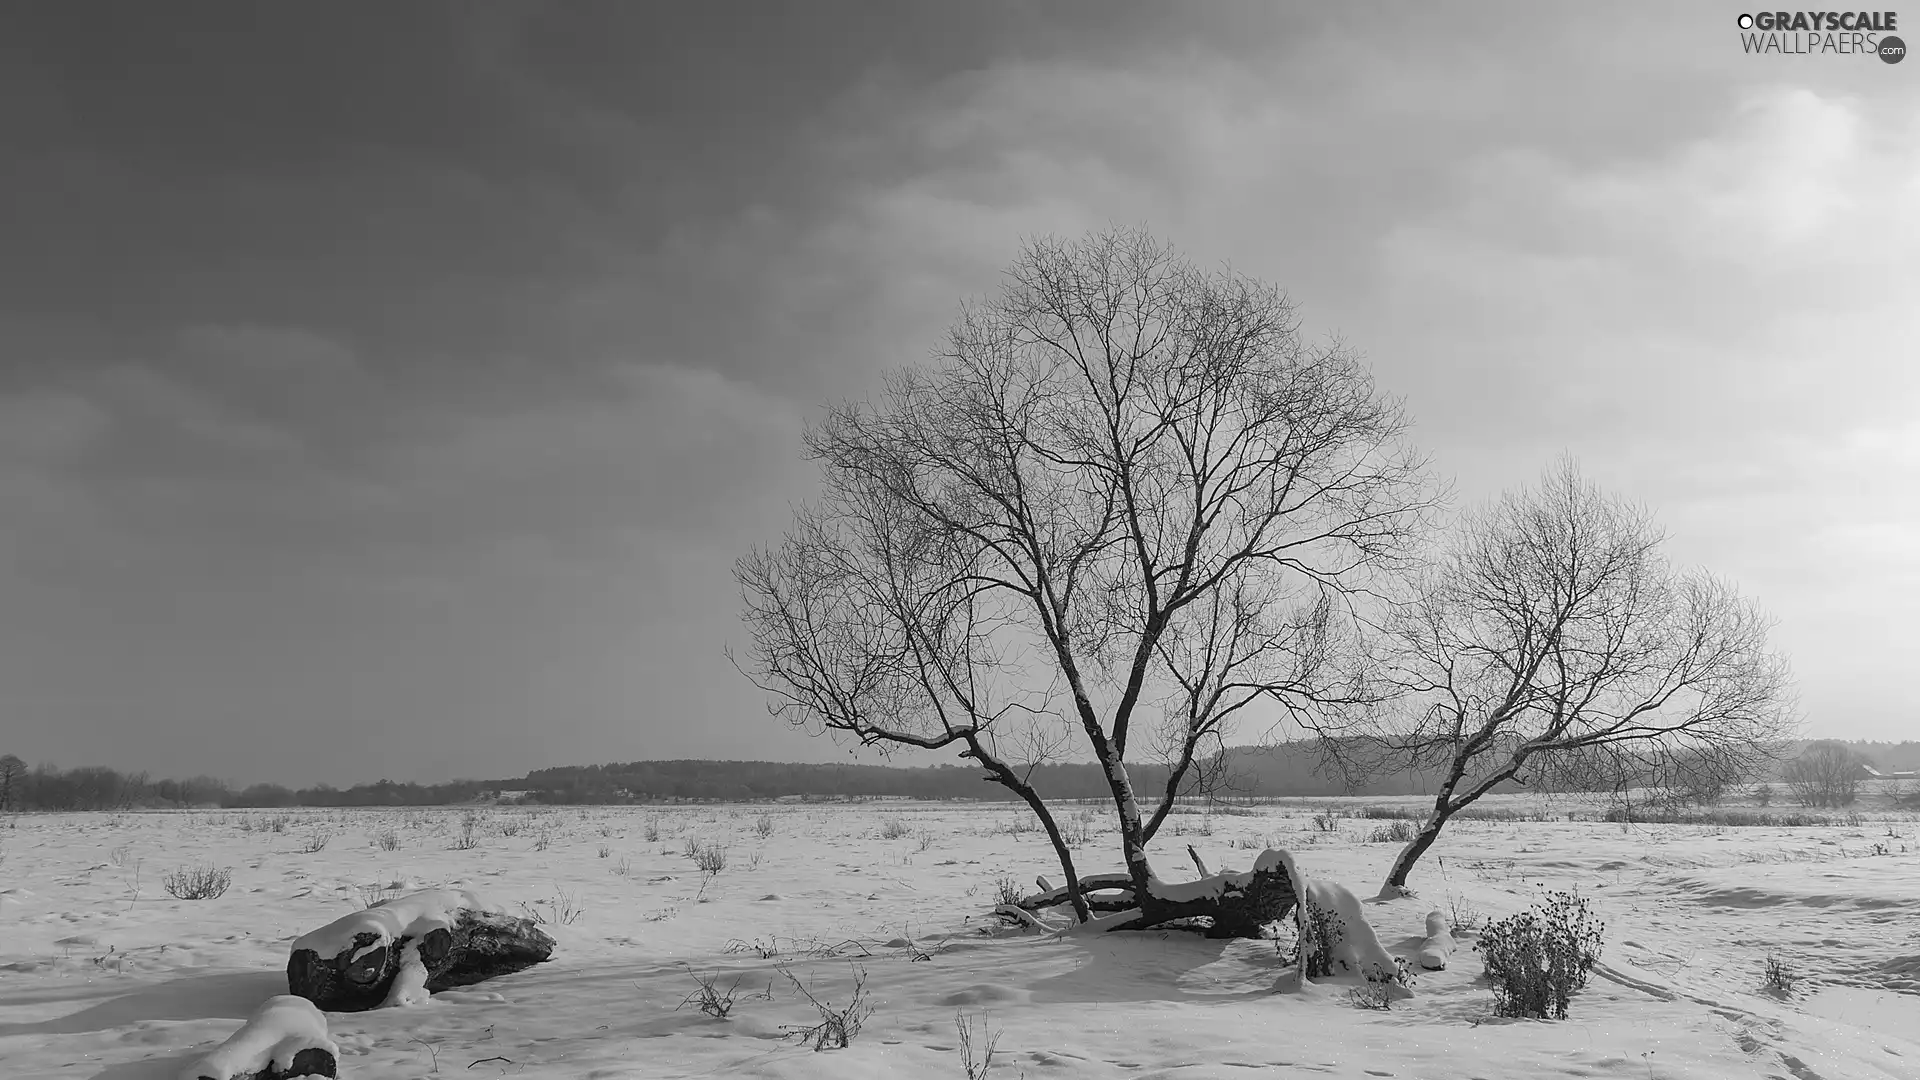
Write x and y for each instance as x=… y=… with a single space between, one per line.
x=104 y=975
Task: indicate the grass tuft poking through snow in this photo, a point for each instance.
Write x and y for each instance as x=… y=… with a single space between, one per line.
x=977 y=1045
x=1778 y=976
x=713 y=1001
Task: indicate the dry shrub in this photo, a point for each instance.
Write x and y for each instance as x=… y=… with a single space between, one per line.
x=197 y=882
x=1399 y=831
x=710 y=857
x=1009 y=891
x=1323 y=929
x=1537 y=958
x=1778 y=977
x=1377 y=992
x=837 y=1027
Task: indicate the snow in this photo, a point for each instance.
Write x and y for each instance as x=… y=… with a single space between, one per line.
x=1215 y=884
x=282 y=1027
x=410 y=982
x=102 y=975
x=390 y=920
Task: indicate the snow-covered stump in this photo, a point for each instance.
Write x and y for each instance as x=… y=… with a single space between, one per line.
x=401 y=950
x=1435 y=951
x=1239 y=905
x=285 y=1037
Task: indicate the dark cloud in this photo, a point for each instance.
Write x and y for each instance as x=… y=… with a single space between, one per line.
x=409 y=375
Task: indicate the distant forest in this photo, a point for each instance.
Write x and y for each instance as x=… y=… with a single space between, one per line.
x=1290 y=769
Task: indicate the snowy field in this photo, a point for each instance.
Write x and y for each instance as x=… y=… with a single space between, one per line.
x=102 y=974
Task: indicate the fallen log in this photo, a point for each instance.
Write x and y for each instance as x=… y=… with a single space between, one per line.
x=285 y=1037
x=1233 y=904
x=399 y=951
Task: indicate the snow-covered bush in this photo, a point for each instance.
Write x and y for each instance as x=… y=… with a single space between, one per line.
x=1537 y=958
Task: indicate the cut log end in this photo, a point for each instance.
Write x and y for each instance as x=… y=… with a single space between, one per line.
x=1438 y=946
x=312 y=1061
x=283 y=1030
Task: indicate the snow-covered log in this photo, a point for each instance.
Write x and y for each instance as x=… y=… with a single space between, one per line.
x=1238 y=904
x=285 y=1037
x=1439 y=944
x=399 y=951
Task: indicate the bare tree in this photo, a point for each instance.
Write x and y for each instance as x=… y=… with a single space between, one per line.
x=1904 y=794
x=1825 y=773
x=1552 y=644
x=1130 y=498
x=11 y=770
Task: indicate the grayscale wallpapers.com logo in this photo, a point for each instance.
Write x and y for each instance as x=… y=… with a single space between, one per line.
x=1807 y=33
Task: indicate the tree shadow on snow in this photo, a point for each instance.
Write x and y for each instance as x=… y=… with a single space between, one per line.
x=232 y=996
x=1152 y=966
x=153 y=1068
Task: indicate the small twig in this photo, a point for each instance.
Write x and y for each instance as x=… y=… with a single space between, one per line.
x=496 y=1057
x=1198 y=865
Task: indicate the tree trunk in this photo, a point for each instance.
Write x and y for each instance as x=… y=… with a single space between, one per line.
x=1007 y=778
x=1075 y=895
x=1133 y=840
x=481 y=945
x=1444 y=807
x=1236 y=904
x=1422 y=840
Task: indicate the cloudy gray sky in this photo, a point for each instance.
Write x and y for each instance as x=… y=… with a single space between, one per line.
x=385 y=389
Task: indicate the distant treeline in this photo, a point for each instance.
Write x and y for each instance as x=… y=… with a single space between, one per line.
x=1290 y=769
x=1264 y=772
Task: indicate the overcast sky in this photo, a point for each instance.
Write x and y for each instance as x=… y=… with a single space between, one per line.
x=386 y=389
